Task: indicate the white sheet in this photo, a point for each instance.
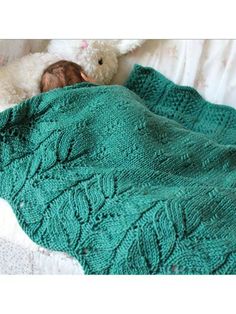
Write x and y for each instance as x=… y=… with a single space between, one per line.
x=209 y=66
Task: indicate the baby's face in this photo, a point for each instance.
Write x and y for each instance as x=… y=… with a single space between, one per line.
x=61 y=74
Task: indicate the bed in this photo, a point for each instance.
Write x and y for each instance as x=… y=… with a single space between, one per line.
x=207 y=65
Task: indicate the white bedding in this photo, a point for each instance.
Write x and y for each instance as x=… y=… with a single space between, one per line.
x=207 y=65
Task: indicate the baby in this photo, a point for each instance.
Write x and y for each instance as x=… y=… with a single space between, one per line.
x=27 y=77
x=61 y=74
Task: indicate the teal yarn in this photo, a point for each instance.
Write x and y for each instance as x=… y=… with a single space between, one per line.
x=134 y=179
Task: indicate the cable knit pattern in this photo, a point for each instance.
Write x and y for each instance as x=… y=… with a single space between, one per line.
x=138 y=179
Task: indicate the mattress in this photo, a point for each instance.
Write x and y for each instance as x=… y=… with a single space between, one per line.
x=207 y=65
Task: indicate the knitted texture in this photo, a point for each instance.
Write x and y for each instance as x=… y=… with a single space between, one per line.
x=129 y=180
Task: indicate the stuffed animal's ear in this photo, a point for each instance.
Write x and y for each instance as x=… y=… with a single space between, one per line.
x=126 y=45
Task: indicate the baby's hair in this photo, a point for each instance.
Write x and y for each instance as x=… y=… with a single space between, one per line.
x=61 y=74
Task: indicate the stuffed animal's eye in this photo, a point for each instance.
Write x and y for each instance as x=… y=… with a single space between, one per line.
x=100 y=61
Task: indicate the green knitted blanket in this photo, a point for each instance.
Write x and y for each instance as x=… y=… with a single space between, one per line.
x=129 y=180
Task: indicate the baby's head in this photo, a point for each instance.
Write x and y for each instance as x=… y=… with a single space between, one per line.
x=61 y=74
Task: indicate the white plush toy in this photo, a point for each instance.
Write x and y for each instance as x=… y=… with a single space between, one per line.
x=20 y=79
x=98 y=58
